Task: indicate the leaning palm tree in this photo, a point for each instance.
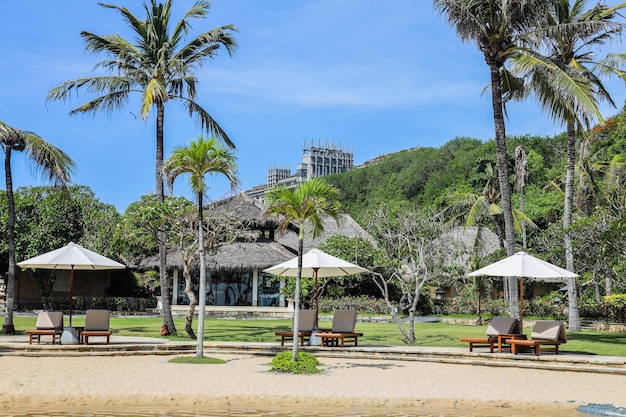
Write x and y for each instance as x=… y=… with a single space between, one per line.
x=566 y=83
x=160 y=67
x=497 y=28
x=51 y=162
x=307 y=203
x=201 y=157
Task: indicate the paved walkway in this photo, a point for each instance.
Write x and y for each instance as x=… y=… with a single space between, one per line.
x=124 y=345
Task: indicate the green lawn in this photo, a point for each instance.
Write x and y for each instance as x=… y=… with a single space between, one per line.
x=428 y=334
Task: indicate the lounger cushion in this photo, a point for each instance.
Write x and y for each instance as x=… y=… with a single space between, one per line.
x=502 y=325
x=97 y=320
x=306 y=320
x=549 y=330
x=344 y=321
x=49 y=320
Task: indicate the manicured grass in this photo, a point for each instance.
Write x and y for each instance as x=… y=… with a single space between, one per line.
x=428 y=334
x=195 y=360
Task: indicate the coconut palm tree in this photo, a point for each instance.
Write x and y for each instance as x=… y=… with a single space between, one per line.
x=308 y=203
x=159 y=67
x=566 y=83
x=469 y=209
x=201 y=157
x=521 y=175
x=51 y=162
x=497 y=28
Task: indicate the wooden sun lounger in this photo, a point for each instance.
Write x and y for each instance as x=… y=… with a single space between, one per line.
x=36 y=335
x=534 y=344
x=49 y=323
x=289 y=336
x=480 y=341
x=339 y=339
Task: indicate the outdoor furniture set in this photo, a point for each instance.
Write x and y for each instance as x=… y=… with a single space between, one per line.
x=506 y=334
x=50 y=323
x=341 y=332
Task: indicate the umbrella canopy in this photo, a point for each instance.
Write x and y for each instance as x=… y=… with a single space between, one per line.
x=523 y=265
x=316 y=263
x=71 y=257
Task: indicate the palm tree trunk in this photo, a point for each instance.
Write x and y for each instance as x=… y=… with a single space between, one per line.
x=572 y=297
x=202 y=289
x=193 y=301
x=296 y=298
x=166 y=312
x=503 y=177
x=8 y=326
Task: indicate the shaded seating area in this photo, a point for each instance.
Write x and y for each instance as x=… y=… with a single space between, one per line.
x=544 y=333
x=305 y=327
x=96 y=325
x=49 y=323
x=499 y=331
x=342 y=331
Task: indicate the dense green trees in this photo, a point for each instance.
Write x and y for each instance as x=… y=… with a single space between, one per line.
x=46 y=159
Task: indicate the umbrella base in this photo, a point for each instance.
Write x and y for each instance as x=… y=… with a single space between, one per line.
x=314 y=339
x=69 y=336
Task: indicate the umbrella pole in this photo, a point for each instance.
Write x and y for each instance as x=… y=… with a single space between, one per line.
x=521 y=304
x=71 y=290
x=317 y=298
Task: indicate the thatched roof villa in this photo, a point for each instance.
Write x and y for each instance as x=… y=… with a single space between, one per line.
x=235 y=276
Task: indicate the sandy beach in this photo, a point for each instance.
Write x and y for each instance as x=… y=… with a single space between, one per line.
x=116 y=382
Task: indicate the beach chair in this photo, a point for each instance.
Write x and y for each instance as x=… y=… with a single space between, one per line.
x=49 y=323
x=96 y=325
x=305 y=327
x=544 y=333
x=342 y=331
x=500 y=330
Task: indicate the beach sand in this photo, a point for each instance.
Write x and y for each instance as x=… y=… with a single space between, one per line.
x=114 y=382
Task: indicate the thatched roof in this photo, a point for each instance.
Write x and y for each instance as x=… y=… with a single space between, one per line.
x=348 y=227
x=249 y=210
x=237 y=255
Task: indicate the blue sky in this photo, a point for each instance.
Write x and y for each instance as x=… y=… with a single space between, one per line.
x=369 y=76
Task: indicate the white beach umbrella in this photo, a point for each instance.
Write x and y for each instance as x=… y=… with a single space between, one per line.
x=71 y=257
x=316 y=264
x=523 y=265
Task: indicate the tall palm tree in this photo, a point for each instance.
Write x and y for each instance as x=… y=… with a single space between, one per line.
x=51 y=162
x=308 y=203
x=497 y=28
x=201 y=157
x=160 y=67
x=521 y=174
x=567 y=84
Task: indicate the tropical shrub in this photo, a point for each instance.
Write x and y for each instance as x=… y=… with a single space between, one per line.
x=614 y=307
x=362 y=304
x=306 y=363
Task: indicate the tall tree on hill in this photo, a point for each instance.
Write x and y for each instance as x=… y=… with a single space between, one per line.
x=566 y=83
x=201 y=157
x=47 y=159
x=497 y=28
x=308 y=203
x=160 y=67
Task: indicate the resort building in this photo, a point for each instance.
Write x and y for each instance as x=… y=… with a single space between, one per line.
x=235 y=276
x=317 y=161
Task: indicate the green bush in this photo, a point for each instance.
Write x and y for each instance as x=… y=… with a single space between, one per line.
x=306 y=364
x=362 y=304
x=114 y=304
x=614 y=307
